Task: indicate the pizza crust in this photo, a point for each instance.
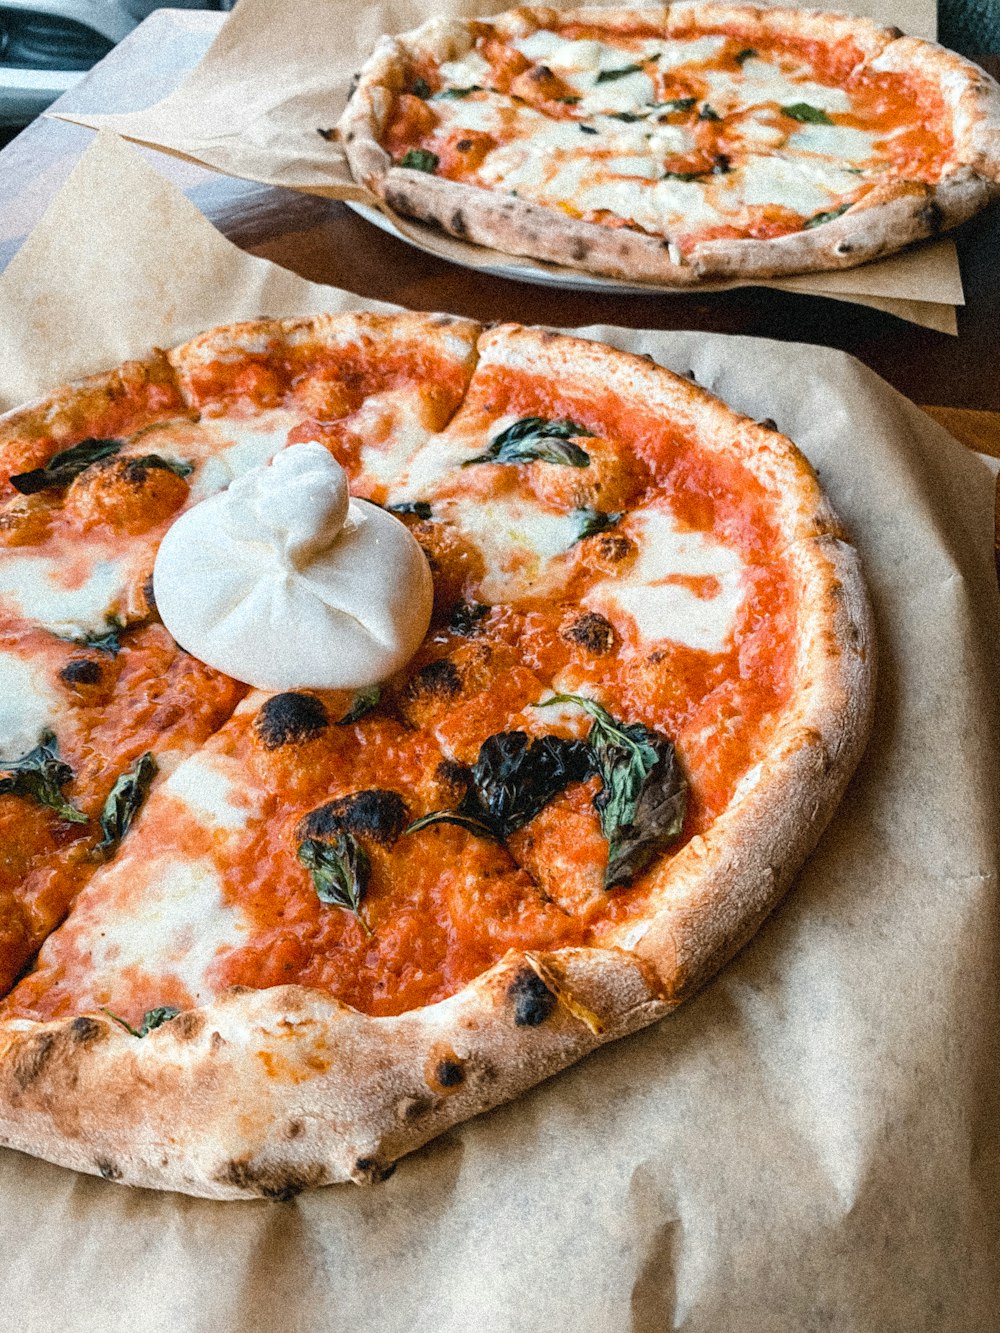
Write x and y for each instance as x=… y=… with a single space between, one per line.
x=265 y=1093
x=885 y=221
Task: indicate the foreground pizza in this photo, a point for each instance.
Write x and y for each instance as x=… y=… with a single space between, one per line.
x=284 y=938
x=676 y=144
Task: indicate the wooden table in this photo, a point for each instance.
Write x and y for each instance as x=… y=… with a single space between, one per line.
x=957 y=380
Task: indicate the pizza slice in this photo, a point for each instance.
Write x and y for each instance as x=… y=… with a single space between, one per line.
x=347 y=920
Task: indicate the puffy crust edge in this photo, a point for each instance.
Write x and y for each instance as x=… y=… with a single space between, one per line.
x=886 y=220
x=266 y=1093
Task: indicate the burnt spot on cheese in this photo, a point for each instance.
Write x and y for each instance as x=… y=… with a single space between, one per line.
x=376 y=814
x=467 y=618
x=614 y=547
x=107 y=1168
x=591 y=631
x=84 y=1030
x=436 y=680
x=272 y=1180
x=531 y=999
x=81 y=671
x=290 y=717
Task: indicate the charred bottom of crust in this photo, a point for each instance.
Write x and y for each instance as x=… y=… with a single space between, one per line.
x=370 y=1171
x=271 y=1181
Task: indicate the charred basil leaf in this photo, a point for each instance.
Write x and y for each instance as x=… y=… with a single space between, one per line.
x=151 y=1019
x=677 y=104
x=744 y=55
x=683 y=175
x=123 y=804
x=65 y=467
x=419 y=508
x=818 y=219
x=340 y=872
x=567 y=101
x=629 y=117
x=609 y=75
x=421 y=88
x=643 y=797
x=177 y=466
x=419 y=159
x=708 y=113
x=587 y=129
x=512 y=780
x=363 y=704
x=534 y=439
x=593 y=521
x=106 y=641
x=40 y=776
x=809 y=115
x=451 y=94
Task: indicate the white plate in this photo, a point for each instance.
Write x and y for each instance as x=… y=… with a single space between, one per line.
x=525 y=271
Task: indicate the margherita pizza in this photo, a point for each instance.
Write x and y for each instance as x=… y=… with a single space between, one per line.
x=676 y=144
x=255 y=941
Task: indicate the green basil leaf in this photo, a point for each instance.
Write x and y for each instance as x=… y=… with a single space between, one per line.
x=742 y=56
x=587 y=129
x=454 y=94
x=593 y=521
x=363 y=704
x=676 y=104
x=609 y=75
x=419 y=508
x=818 y=219
x=809 y=115
x=420 y=88
x=65 y=467
x=340 y=872
x=684 y=175
x=708 y=113
x=629 y=117
x=419 y=159
x=40 y=776
x=123 y=804
x=106 y=641
x=512 y=779
x=151 y=1019
x=643 y=796
x=177 y=466
x=534 y=439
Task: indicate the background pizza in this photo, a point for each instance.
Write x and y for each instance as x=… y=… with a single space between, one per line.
x=306 y=930
x=682 y=144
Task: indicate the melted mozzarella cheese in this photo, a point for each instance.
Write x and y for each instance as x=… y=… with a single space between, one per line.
x=628 y=93
x=803 y=185
x=517 y=538
x=36 y=587
x=764 y=82
x=213 y=796
x=483 y=114
x=663 y=610
x=27 y=706
x=396 y=421
x=839 y=141
x=675 y=53
x=172 y=917
x=472 y=69
x=239 y=446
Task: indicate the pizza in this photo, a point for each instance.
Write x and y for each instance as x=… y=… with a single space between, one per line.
x=255 y=941
x=676 y=144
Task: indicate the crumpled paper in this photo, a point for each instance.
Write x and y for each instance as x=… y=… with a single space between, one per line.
x=812 y=1141
x=277 y=73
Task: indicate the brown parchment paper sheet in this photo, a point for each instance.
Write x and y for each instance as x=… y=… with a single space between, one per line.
x=810 y=1143
x=278 y=72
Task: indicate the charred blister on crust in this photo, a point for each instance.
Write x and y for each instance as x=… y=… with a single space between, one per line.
x=531 y=999
x=84 y=1030
x=932 y=218
x=370 y=1171
x=445 y=1071
x=376 y=814
x=291 y=717
x=188 y=1025
x=412 y=1108
x=458 y=227
x=31 y=1059
x=107 y=1168
x=591 y=631
x=436 y=680
x=81 y=671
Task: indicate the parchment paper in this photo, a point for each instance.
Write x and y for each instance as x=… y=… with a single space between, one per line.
x=278 y=72
x=810 y=1143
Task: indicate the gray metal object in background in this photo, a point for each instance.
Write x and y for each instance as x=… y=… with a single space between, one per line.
x=47 y=45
